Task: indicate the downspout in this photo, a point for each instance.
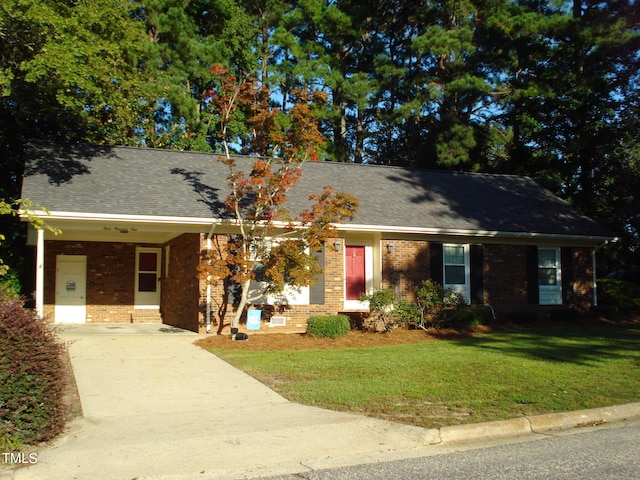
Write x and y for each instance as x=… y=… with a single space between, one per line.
x=593 y=271
x=208 y=299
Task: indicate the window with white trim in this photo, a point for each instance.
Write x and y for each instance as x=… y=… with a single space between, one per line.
x=549 y=276
x=456 y=268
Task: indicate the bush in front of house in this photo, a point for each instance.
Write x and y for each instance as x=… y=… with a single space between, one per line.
x=436 y=302
x=467 y=317
x=435 y=307
x=407 y=314
x=32 y=381
x=330 y=326
x=382 y=305
x=618 y=297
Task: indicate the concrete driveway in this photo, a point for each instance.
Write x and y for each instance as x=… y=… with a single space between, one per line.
x=158 y=407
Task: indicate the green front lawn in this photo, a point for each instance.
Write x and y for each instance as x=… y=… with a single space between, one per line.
x=485 y=377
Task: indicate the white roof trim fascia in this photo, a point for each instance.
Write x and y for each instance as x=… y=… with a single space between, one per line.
x=123 y=218
x=471 y=233
x=340 y=227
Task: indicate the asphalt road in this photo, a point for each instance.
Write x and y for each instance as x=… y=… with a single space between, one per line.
x=605 y=452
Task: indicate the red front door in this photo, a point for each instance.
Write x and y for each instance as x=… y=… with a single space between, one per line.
x=355 y=273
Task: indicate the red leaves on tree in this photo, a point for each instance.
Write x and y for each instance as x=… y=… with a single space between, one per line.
x=258 y=197
x=330 y=208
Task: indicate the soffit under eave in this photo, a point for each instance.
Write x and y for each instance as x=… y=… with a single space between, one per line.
x=152 y=230
x=101 y=230
x=502 y=239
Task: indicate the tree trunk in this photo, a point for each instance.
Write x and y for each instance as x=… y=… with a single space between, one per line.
x=235 y=321
x=359 y=148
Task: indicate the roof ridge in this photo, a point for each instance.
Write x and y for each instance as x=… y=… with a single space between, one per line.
x=321 y=162
x=328 y=162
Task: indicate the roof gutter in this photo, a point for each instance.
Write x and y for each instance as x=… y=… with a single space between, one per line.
x=364 y=228
x=122 y=218
x=601 y=240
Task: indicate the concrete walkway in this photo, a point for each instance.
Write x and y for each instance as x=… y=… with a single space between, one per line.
x=158 y=407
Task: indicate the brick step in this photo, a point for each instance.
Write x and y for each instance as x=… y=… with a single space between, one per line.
x=146 y=315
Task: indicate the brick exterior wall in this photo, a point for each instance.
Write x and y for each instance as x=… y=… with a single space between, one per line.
x=180 y=302
x=405 y=267
x=504 y=269
x=110 y=278
x=505 y=276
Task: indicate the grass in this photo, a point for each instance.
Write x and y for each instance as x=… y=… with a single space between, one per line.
x=483 y=377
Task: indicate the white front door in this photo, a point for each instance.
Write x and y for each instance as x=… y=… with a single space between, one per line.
x=71 y=289
x=147 y=284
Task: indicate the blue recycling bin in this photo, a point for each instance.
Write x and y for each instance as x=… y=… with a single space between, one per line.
x=253 y=319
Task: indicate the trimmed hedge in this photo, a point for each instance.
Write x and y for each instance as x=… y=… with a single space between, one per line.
x=331 y=326
x=32 y=383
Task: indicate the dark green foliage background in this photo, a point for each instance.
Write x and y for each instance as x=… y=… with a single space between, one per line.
x=545 y=89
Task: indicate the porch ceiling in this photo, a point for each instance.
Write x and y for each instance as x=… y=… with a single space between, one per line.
x=119 y=230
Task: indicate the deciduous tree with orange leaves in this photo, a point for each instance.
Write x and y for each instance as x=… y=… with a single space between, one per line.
x=268 y=235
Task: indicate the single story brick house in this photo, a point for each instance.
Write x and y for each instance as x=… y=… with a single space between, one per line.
x=136 y=221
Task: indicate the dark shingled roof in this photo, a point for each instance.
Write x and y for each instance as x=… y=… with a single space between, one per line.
x=152 y=182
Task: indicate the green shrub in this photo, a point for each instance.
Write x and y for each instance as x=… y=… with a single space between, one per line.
x=31 y=377
x=382 y=304
x=467 y=317
x=434 y=300
x=10 y=284
x=331 y=326
x=618 y=296
x=407 y=313
x=380 y=300
x=460 y=318
x=433 y=308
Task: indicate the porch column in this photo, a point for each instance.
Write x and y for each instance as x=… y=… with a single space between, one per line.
x=40 y=273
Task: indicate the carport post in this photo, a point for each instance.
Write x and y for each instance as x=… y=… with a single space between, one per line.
x=39 y=294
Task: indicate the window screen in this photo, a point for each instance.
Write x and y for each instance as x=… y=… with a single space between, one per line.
x=454 y=266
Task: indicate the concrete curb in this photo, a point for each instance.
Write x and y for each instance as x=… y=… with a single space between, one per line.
x=503 y=429
x=498 y=429
x=535 y=424
x=584 y=418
